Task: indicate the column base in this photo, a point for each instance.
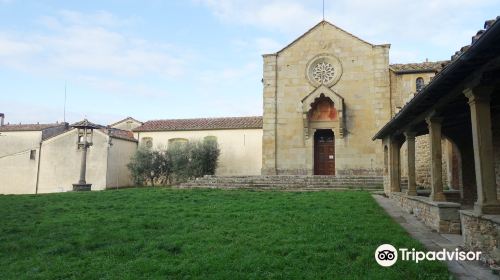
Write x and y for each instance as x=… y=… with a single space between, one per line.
x=411 y=192
x=268 y=171
x=489 y=209
x=81 y=187
x=438 y=196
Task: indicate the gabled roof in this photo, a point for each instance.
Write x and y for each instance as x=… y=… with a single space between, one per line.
x=124 y=120
x=323 y=22
x=201 y=124
x=85 y=124
x=423 y=67
x=30 y=127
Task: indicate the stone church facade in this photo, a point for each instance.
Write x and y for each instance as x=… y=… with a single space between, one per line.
x=325 y=95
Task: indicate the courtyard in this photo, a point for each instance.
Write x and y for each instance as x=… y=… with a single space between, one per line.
x=211 y=234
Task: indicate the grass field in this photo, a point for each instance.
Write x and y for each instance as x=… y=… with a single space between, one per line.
x=183 y=234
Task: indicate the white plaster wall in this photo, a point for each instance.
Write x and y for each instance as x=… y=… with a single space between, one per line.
x=119 y=154
x=60 y=164
x=12 y=142
x=18 y=173
x=241 y=149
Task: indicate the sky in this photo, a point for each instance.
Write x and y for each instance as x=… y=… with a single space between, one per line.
x=154 y=59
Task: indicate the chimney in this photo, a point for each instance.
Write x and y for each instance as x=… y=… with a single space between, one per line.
x=2 y=117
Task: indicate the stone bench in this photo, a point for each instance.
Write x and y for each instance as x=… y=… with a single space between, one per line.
x=444 y=217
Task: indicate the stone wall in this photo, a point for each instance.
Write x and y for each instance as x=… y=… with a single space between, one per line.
x=423 y=161
x=403 y=87
x=482 y=233
x=440 y=216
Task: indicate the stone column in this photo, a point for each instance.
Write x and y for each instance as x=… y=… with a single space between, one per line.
x=394 y=166
x=83 y=165
x=434 y=124
x=410 y=143
x=479 y=102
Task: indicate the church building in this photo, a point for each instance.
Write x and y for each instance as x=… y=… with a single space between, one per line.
x=325 y=95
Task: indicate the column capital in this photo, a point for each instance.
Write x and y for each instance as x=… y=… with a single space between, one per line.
x=479 y=93
x=409 y=134
x=433 y=118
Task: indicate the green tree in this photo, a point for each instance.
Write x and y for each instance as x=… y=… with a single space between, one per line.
x=150 y=165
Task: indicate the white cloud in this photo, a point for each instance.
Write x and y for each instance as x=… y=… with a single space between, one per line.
x=285 y=16
x=437 y=26
x=74 y=44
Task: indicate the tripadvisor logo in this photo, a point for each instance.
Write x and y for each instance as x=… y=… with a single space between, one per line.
x=387 y=255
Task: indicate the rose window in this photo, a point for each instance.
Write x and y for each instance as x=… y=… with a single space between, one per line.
x=323 y=72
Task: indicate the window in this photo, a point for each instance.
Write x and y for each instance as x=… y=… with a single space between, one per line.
x=210 y=138
x=81 y=137
x=147 y=142
x=32 y=154
x=177 y=141
x=419 y=83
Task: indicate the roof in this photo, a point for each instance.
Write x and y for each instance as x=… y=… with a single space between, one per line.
x=108 y=130
x=484 y=47
x=118 y=133
x=202 y=124
x=125 y=119
x=30 y=127
x=85 y=124
x=323 y=22
x=422 y=67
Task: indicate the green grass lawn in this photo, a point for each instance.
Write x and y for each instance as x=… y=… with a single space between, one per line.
x=183 y=234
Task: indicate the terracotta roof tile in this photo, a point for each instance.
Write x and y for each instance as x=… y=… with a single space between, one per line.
x=201 y=124
x=119 y=133
x=418 y=67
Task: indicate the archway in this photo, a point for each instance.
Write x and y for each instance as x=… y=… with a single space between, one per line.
x=324 y=152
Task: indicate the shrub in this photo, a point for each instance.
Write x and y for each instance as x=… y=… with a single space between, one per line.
x=150 y=165
x=179 y=163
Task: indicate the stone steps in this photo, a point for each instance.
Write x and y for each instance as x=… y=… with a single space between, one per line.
x=288 y=182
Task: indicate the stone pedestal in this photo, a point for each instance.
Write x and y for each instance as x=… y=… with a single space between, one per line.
x=81 y=187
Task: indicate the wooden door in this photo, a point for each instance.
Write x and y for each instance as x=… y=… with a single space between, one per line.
x=324 y=153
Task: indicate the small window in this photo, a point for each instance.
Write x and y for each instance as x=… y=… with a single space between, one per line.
x=32 y=154
x=147 y=142
x=177 y=141
x=81 y=137
x=419 y=83
x=210 y=138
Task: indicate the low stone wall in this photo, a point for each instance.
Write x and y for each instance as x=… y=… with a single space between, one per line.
x=289 y=182
x=443 y=217
x=482 y=233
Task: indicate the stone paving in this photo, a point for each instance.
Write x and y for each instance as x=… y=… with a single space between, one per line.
x=434 y=241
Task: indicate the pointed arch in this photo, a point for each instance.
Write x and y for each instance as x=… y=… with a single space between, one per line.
x=311 y=100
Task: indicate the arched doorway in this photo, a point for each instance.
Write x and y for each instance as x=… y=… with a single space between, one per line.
x=324 y=152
